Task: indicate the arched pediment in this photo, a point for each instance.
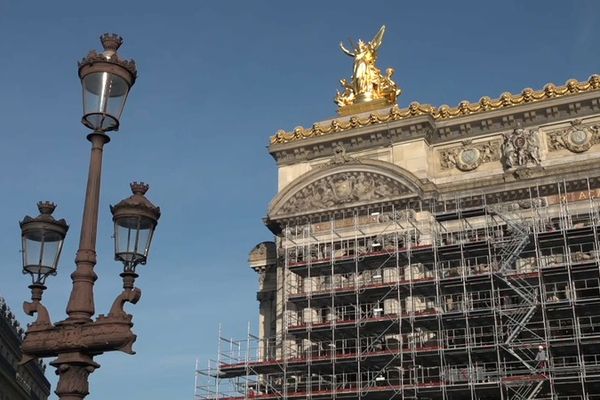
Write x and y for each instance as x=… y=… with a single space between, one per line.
x=349 y=184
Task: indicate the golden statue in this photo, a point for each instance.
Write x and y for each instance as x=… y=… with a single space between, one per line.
x=368 y=83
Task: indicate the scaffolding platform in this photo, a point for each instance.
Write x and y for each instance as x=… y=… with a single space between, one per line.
x=493 y=301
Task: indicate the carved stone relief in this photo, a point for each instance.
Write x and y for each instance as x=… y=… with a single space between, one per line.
x=73 y=380
x=521 y=148
x=344 y=189
x=470 y=155
x=339 y=157
x=577 y=138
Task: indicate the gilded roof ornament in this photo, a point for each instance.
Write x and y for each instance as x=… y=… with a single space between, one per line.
x=368 y=88
x=444 y=112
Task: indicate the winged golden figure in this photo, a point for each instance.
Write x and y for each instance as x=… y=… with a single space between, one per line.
x=367 y=83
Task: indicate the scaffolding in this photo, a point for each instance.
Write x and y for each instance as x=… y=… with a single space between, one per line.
x=470 y=298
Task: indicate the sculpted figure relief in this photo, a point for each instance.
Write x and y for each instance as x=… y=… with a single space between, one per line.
x=343 y=189
x=508 y=152
x=521 y=148
x=367 y=83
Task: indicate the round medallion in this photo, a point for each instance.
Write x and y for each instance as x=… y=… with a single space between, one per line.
x=469 y=156
x=578 y=137
x=468 y=159
x=578 y=140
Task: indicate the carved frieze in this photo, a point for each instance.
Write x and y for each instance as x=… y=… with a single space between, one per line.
x=107 y=333
x=344 y=189
x=469 y=156
x=521 y=148
x=577 y=138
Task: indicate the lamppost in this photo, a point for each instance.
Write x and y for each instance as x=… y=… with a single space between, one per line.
x=106 y=81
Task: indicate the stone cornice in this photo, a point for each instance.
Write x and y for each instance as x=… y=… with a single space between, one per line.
x=11 y=336
x=438 y=125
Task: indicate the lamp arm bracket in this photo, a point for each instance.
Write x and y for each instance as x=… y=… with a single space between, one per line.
x=43 y=317
x=127 y=296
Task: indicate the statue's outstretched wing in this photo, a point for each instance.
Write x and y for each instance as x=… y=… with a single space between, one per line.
x=378 y=39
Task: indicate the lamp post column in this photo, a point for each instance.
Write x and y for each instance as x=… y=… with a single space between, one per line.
x=81 y=302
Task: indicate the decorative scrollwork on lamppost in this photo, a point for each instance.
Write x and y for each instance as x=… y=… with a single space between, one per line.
x=106 y=80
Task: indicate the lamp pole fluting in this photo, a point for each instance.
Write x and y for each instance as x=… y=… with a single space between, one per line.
x=106 y=80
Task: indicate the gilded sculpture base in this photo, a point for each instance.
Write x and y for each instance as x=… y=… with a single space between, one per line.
x=358 y=108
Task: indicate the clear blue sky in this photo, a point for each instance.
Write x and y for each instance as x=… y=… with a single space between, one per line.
x=216 y=79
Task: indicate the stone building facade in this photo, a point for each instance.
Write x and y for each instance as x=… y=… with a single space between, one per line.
x=431 y=252
x=18 y=382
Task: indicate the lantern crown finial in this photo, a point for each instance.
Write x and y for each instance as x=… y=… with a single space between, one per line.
x=111 y=42
x=46 y=207
x=139 y=188
x=136 y=203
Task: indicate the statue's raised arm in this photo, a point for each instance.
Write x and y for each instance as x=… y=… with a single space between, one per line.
x=345 y=50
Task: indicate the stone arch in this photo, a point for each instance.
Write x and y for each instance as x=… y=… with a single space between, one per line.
x=349 y=184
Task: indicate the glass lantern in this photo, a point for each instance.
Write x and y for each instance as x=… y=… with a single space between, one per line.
x=104 y=96
x=133 y=236
x=135 y=219
x=106 y=80
x=42 y=241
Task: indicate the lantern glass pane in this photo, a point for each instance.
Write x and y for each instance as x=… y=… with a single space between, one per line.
x=104 y=96
x=132 y=239
x=41 y=251
x=49 y=254
x=31 y=255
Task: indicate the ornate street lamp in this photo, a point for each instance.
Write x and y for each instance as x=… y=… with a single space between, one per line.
x=106 y=80
x=42 y=240
x=135 y=219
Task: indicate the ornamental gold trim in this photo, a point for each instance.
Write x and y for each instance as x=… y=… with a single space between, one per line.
x=444 y=112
